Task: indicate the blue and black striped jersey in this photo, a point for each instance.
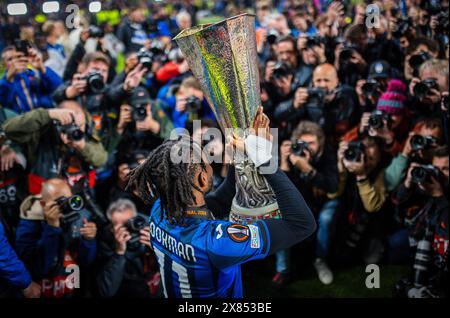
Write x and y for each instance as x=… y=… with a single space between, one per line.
x=202 y=257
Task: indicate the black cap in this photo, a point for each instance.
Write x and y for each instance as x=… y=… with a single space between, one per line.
x=139 y=96
x=380 y=69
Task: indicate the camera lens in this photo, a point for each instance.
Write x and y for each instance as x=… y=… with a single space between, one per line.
x=419 y=175
x=76 y=203
x=139 y=112
x=418 y=142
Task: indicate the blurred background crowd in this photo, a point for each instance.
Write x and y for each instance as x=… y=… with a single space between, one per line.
x=358 y=91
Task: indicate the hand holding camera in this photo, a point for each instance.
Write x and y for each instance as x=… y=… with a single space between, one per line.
x=18 y=65
x=122 y=236
x=53 y=215
x=125 y=117
x=301 y=97
x=77 y=86
x=89 y=230
x=379 y=126
x=353 y=159
x=147 y=123
x=426 y=177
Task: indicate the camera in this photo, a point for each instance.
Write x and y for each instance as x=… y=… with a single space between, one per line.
x=316 y=97
x=70 y=207
x=95 y=32
x=347 y=53
x=422 y=89
x=73 y=132
x=416 y=60
x=312 y=41
x=300 y=148
x=139 y=112
x=370 y=88
x=377 y=119
x=94 y=82
x=419 y=142
x=272 y=36
x=354 y=151
x=280 y=70
x=145 y=58
x=423 y=174
x=134 y=226
x=22 y=46
x=403 y=25
x=193 y=104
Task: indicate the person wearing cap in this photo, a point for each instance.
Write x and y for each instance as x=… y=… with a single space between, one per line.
x=381 y=72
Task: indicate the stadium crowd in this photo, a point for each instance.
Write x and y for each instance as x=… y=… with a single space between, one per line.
x=357 y=90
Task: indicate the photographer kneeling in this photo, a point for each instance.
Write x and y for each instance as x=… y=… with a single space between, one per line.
x=311 y=165
x=57 y=143
x=54 y=236
x=129 y=267
x=362 y=194
x=331 y=105
x=422 y=209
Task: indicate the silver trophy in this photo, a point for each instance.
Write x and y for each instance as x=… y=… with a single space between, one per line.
x=223 y=58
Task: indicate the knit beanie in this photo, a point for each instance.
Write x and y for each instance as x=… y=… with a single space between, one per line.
x=392 y=101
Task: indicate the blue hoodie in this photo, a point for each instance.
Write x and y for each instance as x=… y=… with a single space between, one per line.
x=40 y=87
x=12 y=269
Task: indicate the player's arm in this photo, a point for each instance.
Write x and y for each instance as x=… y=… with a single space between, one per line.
x=296 y=223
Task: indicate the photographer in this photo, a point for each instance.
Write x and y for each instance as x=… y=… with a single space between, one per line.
x=58 y=235
x=370 y=89
x=142 y=124
x=128 y=267
x=23 y=89
x=311 y=164
x=57 y=142
x=331 y=105
x=89 y=89
x=427 y=90
x=422 y=208
x=362 y=194
x=389 y=121
x=94 y=33
x=190 y=104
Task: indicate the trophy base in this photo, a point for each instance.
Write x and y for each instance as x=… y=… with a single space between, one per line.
x=243 y=215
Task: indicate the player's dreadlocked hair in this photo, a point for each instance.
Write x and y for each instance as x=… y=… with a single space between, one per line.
x=159 y=176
